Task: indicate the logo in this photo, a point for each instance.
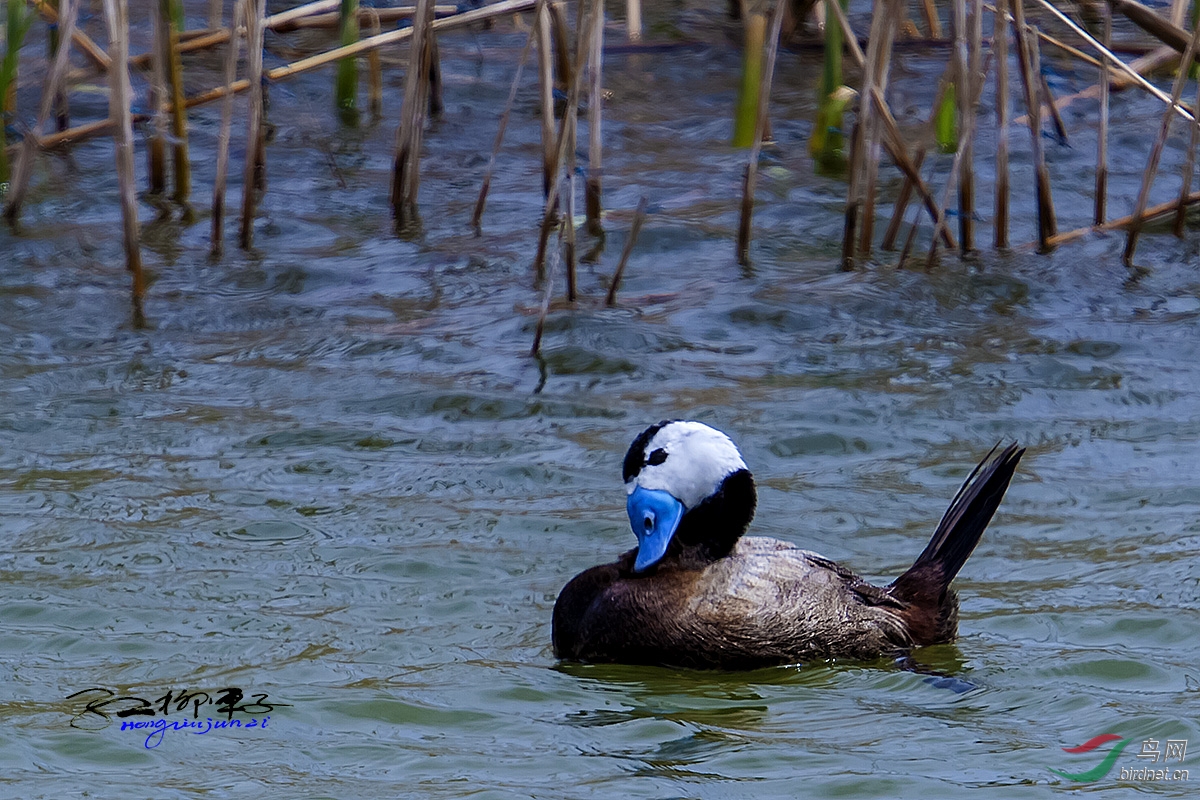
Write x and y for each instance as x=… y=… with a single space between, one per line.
x=1151 y=752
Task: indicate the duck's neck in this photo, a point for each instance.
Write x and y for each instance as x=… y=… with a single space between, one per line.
x=711 y=530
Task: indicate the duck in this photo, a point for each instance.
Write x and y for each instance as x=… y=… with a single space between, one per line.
x=697 y=593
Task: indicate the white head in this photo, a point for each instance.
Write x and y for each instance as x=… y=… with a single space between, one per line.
x=673 y=468
x=688 y=460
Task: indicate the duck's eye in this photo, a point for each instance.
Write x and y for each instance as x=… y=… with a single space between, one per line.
x=657 y=457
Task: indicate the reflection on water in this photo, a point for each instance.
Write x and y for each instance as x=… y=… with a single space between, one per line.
x=330 y=471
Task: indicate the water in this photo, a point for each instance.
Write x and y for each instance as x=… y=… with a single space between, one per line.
x=330 y=472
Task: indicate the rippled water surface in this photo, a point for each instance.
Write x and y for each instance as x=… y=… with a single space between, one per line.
x=330 y=471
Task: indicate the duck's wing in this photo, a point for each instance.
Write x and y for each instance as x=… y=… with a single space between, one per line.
x=769 y=596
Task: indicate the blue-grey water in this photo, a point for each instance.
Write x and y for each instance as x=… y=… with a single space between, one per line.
x=331 y=473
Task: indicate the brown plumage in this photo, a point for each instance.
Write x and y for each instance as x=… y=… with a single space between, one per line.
x=719 y=600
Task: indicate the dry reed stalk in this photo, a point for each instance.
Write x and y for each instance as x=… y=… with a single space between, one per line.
x=929 y=10
x=1166 y=31
x=633 y=20
x=1178 y=9
x=1047 y=224
x=546 y=86
x=156 y=149
x=909 y=240
x=855 y=199
x=638 y=217
x=1000 y=48
x=117 y=17
x=905 y=195
x=1102 y=134
x=1129 y=70
x=1189 y=166
x=254 y=13
x=853 y=170
x=1151 y=214
x=62 y=107
x=280 y=22
x=764 y=99
x=481 y=201
x=966 y=134
x=1047 y=96
x=214 y=13
x=365 y=16
x=569 y=235
x=562 y=53
x=555 y=257
x=345 y=82
x=566 y=143
x=193 y=41
x=593 y=187
x=967 y=187
x=217 y=242
x=406 y=171
x=873 y=133
x=964 y=81
x=503 y=8
x=436 y=102
x=1059 y=44
x=51 y=88
x=1156 y=151
x=89 y=48
x=893 y=142
x=583 y=36
x=174 y=69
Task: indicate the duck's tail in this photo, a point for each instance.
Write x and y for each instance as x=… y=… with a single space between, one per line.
x=932 y=613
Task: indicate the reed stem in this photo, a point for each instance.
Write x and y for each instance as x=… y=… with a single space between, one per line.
x=639 y=216
x=51 y=92
x=1102 y=133
x=566 y=142
x=763 y=95
x=156 y=146
x=905 y=194
x=1000 y=48
x=546 y=85
x=54 y=37
x=82 y=41
x=593 y=187
x=254 y=13
x=633 y=20
x=406 y=172
x=972 y=86
x=217 y=241
x=481 y=201
x=172 y=14
x=569 y=237
x=860 y=142
x=893 y=142
x=346 y=81
x=872 y=130
x=117 y=17
x=1047 y=224
x=1164 y=128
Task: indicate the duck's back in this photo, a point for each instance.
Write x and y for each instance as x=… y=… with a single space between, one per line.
x=764 y=604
